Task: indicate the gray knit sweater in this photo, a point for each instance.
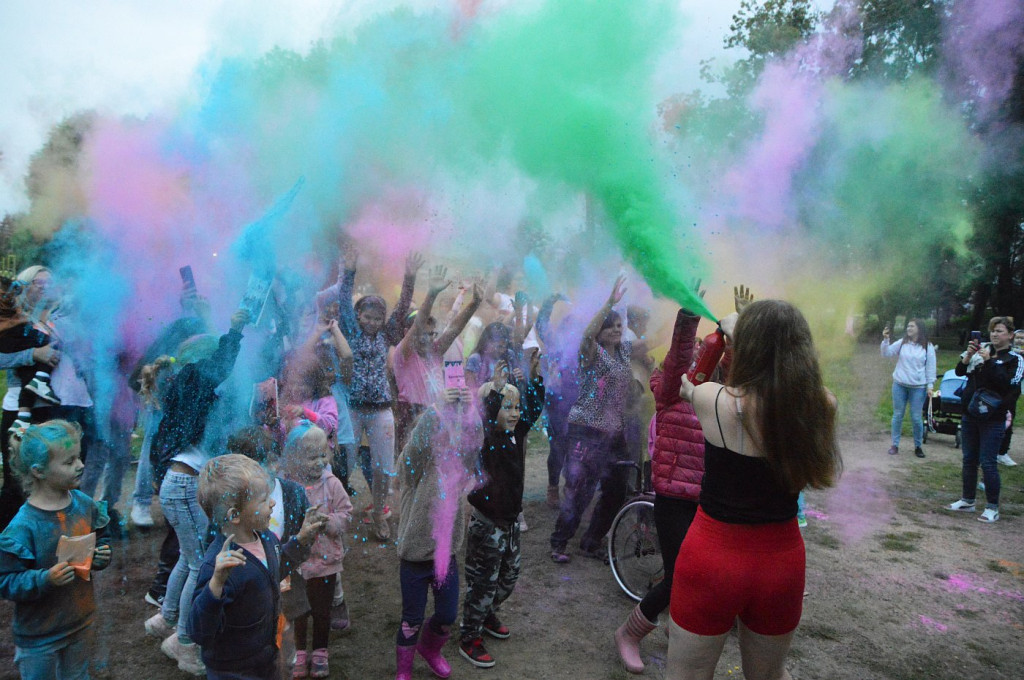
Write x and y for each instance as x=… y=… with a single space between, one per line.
x=428 y=478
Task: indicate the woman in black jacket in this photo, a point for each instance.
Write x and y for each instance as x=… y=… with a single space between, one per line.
x=996 y=375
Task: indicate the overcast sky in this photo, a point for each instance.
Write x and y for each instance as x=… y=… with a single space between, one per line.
x=131 y=57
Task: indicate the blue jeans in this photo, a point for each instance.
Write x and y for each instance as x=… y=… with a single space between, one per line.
x=901 y=396
x=980 y=442
x=416 y=578
x=182 y=512
x=143 y=494
x=65 y=659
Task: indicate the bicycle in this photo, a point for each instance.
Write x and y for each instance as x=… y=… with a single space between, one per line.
x=634 y=552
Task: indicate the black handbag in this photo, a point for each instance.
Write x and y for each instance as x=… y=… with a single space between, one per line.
x=984 y=404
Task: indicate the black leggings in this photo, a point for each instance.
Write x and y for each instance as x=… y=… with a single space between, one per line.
x=672 y=519
x=320 y=592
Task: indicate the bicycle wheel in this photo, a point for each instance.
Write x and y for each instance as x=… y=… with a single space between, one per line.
x=634 y=553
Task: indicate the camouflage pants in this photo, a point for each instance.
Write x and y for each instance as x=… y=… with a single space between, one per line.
x=492 y=569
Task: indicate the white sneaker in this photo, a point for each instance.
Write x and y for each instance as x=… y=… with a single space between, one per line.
x=157 y=626
x=187 y=656
x=990 y=515
x=961 y=506
x=1005 y=459
x=523 y=528
x=141 y=515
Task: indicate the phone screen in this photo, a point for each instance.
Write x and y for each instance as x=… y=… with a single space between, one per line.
x=187 y=280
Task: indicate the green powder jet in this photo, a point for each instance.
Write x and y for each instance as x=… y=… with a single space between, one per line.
x=563 y=91
x=560 y=91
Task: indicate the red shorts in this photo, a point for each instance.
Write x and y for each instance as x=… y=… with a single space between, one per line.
x=751 y=571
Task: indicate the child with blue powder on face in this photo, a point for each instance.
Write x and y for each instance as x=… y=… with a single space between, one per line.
x=306 y=462
x=436 y=470
x=54 y=605
x=370 y=398
x=235 y=615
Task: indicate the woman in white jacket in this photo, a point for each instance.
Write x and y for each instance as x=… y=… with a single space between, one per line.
x=912 y=381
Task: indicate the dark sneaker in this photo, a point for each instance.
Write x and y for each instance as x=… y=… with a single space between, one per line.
x=559 y=557
x=893 y=450
x=41 y=389
x=919 y=452
x=473 y=651
x=496 y=628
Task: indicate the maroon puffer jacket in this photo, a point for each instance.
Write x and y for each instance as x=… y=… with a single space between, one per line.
x=677 y=463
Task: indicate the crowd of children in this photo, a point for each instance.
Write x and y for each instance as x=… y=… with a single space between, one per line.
x=439 y=400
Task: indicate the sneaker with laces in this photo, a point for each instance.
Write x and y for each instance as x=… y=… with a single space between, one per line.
x=989 y=516
x=559 y=557
x=154 y=599
x=919 y=452
x=1005 y=459
x=41 y=388
x=495 y=628
x=961 y=506
x=141 y=515
x=300 y=669
x=187 y=655
x=159 y=627
x=473 y=651
x=318 y=666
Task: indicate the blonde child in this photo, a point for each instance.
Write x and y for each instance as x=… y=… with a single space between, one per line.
x=306 y=456
x=54 y=603
x=436 y=470
x=234 y=617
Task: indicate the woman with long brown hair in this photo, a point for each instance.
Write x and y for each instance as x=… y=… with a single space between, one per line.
x=768 y=433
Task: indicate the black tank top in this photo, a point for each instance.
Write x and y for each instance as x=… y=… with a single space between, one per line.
x=740 y=489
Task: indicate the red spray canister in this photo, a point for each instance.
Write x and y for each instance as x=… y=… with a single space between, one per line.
x=708 y=356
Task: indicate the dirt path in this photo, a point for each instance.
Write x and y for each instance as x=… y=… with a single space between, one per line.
x=896 y=588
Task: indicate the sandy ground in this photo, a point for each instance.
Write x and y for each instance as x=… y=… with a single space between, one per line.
x=896 y=588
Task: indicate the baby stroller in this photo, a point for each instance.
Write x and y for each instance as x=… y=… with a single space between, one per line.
x=944 y=412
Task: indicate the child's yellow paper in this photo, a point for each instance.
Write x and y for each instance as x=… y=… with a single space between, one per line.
x=78 y=551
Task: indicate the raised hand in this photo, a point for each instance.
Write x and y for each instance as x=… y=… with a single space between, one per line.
x=742 y=297
x=413 y=263
x=239 y=319
x=227 y=559
x=886 y=332
x=349 y=258
x=500 y=376
x=478 y=294
x=535 y=359
x=438 y=280
x=618 y=290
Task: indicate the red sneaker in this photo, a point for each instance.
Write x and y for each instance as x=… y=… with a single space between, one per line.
x=473 y=651
x=496 y=628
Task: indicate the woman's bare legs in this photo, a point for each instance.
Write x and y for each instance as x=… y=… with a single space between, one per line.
x=763 y=656
x=692 y=656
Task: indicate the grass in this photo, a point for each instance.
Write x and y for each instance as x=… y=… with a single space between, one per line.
x=904 y=542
